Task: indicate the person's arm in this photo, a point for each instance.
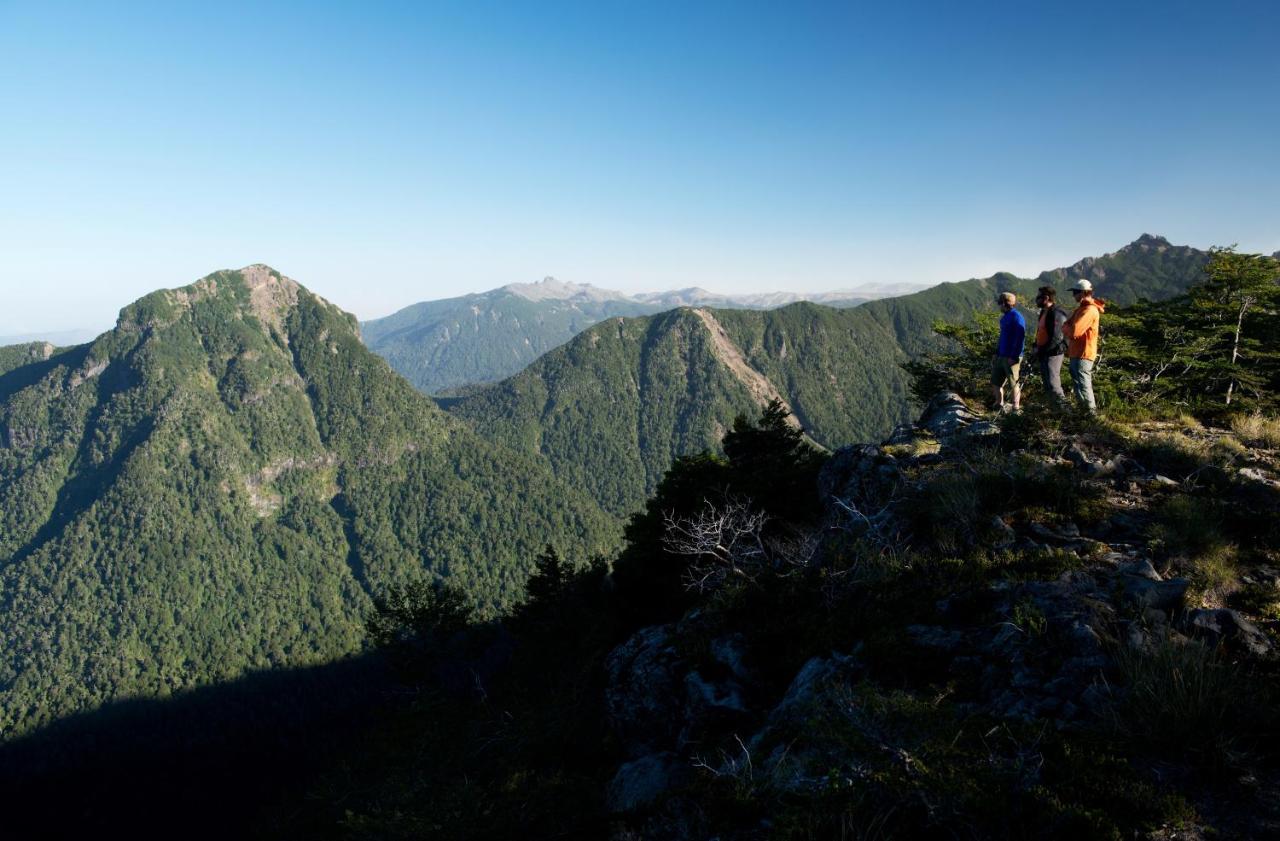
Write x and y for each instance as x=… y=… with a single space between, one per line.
x=1080 y=322
x=1018 y=334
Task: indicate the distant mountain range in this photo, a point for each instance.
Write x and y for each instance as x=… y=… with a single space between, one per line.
x=442 y=345
x=60 y=338
x=610 y=409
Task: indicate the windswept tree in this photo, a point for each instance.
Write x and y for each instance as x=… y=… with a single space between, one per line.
x=1237 y=308
x=965 y=367
x=769 y=472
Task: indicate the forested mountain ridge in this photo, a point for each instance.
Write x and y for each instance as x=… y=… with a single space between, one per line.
x=222 y=483
x=485 y=337
x=613 y=407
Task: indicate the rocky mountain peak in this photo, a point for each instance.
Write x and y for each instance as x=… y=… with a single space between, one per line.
x=550 y=289
x=271 y=294
x=1148 y=242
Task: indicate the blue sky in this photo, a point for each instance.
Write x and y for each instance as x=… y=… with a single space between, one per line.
x=388 y=153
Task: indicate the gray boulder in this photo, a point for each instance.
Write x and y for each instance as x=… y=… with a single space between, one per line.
x=1166 y=596
x=1226 y=626
x=946 y=415
x=641 y=782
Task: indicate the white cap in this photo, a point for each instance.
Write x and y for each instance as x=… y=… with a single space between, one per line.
x=1082 y=285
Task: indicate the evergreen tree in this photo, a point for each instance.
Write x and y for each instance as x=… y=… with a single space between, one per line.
x=550 y=579
x=1233 y=308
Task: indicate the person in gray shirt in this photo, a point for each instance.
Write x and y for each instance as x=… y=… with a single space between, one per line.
x=1050 y=342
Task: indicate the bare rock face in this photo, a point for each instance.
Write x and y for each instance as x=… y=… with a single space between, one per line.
x=946 y=418
x=271 y=294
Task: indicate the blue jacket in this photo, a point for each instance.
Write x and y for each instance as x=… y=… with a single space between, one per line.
x=1013 y=335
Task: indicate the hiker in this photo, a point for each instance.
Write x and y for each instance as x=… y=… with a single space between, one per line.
x=1007 y=363
x=1081 y=330
x=1050 y=342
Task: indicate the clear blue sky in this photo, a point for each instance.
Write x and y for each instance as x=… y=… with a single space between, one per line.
x=389 y=153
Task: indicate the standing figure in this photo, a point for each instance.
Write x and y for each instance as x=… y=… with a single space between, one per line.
x=1081 y=329
x=1050 y=342
x=1006 y=365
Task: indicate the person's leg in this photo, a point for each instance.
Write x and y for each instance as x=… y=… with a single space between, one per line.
x=1074 y=366
x=998 y=378
x=1015 y=385
x=1082 y=382
x=1051 y=372
x=1086 y=384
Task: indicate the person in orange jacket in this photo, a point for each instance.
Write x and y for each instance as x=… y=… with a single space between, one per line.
x=1081 y=330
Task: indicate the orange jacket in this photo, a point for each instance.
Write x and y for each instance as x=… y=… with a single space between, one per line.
x=1081 y=329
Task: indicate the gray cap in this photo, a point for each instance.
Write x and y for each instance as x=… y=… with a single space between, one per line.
x=1082 y=285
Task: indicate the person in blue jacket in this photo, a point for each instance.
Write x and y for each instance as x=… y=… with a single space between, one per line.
x=1006 y=365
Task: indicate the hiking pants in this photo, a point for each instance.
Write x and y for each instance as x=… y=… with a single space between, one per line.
x=1082 y=382
x=1051 y=373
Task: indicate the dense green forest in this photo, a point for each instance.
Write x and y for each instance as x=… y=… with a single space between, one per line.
x=612 y=408
x=224 y=483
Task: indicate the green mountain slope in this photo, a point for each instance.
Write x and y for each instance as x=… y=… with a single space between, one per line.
x=614 y=406
x=439 y=345
x=221 y=484
x=611 y=409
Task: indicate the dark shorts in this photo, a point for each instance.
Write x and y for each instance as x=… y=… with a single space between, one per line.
x=1003 y=372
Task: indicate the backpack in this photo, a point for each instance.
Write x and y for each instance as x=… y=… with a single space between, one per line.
x=1057 y=344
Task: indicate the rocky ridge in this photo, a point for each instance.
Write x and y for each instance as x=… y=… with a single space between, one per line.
x=1048 y=651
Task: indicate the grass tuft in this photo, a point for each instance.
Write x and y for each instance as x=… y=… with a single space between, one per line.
x=1178 y=696
x=1257 y=429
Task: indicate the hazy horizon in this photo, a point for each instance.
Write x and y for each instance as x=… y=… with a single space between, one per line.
x=385 y=154
x=90 y=331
